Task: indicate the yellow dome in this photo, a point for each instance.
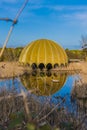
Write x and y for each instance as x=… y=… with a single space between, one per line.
x=43 y=51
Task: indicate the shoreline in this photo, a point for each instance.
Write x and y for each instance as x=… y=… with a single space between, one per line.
x=14 y=69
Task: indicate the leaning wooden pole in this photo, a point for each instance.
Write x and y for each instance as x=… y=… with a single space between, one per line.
x=6 y=41
x=12 y=26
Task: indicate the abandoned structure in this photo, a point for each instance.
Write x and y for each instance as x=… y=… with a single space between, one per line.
x=43 y=53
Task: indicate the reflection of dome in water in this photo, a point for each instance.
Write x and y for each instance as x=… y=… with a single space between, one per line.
x=43 y=85
x=43 y=51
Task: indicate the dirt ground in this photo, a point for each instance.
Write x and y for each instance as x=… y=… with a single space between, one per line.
x=11 y=69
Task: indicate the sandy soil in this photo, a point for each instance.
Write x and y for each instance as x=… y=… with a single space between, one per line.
x=11 y=69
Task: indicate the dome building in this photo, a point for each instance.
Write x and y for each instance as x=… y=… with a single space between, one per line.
x=43 y=53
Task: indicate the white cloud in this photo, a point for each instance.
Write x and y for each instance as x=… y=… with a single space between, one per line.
x=72 y=8
x=36 y=5
x=81 y=16
x=76 y=16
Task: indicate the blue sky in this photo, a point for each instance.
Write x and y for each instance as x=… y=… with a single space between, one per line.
x=63 y=21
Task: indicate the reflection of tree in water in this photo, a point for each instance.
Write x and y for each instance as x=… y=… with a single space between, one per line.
x=44 y=83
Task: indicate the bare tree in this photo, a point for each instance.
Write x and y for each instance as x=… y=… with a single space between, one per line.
x=84 y=41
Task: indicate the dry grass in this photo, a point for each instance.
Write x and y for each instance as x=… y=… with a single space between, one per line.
x=55 y=116
x=11 y=69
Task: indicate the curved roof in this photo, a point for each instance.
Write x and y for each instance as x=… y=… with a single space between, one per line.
x=43 y=85
x=43 y=51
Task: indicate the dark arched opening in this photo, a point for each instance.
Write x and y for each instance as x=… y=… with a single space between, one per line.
x=41 y=66
x=65 y=64
x=34 y=66
x=42 y=74
x=49 y=66
x=56 y=65
x=62 y=65
x=34 y=73
x=55 y=74
x=48 y=73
